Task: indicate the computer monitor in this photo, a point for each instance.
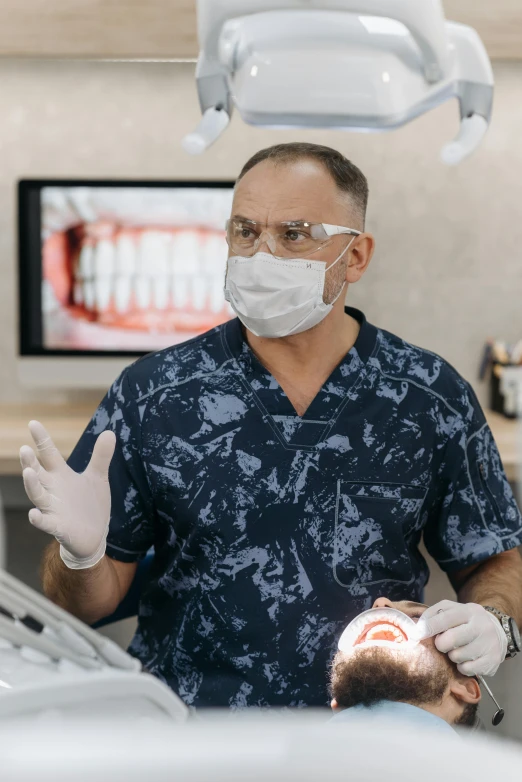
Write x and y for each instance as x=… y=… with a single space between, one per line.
x=119 y=268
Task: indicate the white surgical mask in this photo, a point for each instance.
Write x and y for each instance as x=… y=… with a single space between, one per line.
x=277 y=297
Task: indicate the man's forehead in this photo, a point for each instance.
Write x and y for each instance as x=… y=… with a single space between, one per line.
x=265 y=209
x=270 y=193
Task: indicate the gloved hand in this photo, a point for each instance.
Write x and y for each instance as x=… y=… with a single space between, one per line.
x=471 y=636
x=74 y=507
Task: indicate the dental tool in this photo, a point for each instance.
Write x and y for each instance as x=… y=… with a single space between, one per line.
x=499 y=714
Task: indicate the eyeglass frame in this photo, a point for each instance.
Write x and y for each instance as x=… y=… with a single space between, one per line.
x=329 y=229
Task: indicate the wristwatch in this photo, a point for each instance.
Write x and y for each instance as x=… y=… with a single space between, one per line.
x=511 y=630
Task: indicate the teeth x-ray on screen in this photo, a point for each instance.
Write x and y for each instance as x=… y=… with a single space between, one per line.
x=130 y=268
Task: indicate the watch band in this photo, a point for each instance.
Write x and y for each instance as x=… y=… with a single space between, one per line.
x=505 y=621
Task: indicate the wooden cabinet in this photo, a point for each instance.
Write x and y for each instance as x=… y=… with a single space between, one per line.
x=98 y=28
x=167 y=28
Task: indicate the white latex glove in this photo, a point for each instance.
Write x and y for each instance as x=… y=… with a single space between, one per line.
x=74 y=507
x=471 y=636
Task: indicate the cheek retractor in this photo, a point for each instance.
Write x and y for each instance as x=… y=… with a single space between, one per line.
x=380 y=627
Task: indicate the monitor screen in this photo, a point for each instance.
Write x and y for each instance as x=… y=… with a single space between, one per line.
x=115 y=268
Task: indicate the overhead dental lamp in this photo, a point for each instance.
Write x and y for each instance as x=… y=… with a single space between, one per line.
x=364 y=65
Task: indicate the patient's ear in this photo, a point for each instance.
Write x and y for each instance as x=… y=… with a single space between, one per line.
x=466 y=689
x=334 y=705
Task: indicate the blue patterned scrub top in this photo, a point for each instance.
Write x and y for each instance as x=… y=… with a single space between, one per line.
x=272 y=531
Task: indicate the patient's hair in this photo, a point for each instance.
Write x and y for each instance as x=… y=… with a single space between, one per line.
x=374 y=675
x=348 y=178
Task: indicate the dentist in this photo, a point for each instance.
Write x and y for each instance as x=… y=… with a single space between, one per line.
x=284 y=467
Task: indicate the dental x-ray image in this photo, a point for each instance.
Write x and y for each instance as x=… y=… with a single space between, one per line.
x=129 y=268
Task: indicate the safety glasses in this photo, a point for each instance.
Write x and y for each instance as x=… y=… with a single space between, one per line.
x=288 y=239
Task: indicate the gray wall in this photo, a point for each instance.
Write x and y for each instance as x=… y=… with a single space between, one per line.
x=447 y=272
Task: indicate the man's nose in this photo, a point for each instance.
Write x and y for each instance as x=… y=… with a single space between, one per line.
x=383 y=602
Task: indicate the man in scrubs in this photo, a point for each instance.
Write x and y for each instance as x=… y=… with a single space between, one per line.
x=284 y=467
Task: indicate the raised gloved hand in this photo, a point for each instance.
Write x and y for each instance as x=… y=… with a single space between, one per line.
x=74 y=507
x=471 y=636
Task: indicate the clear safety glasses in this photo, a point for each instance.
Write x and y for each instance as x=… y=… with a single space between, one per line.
x=289 y=239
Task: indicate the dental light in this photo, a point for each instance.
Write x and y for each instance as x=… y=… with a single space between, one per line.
x=362 y=65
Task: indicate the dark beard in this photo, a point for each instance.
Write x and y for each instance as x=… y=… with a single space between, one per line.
x=469 y=715
x=374 y=675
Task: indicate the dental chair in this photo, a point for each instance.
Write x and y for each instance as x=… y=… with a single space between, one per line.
x=55 y=669
x=290 y=748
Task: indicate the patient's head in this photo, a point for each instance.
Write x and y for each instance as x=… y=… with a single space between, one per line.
x=416 y=674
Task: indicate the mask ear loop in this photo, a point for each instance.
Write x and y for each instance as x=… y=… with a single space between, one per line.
x=341 y=255
x=336 y=261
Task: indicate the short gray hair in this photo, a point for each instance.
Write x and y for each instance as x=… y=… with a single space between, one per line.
x=348 y=178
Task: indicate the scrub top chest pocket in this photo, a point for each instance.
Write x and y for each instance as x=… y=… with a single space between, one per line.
x=373 y=523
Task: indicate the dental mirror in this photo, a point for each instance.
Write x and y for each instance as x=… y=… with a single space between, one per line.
x=499 y=714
